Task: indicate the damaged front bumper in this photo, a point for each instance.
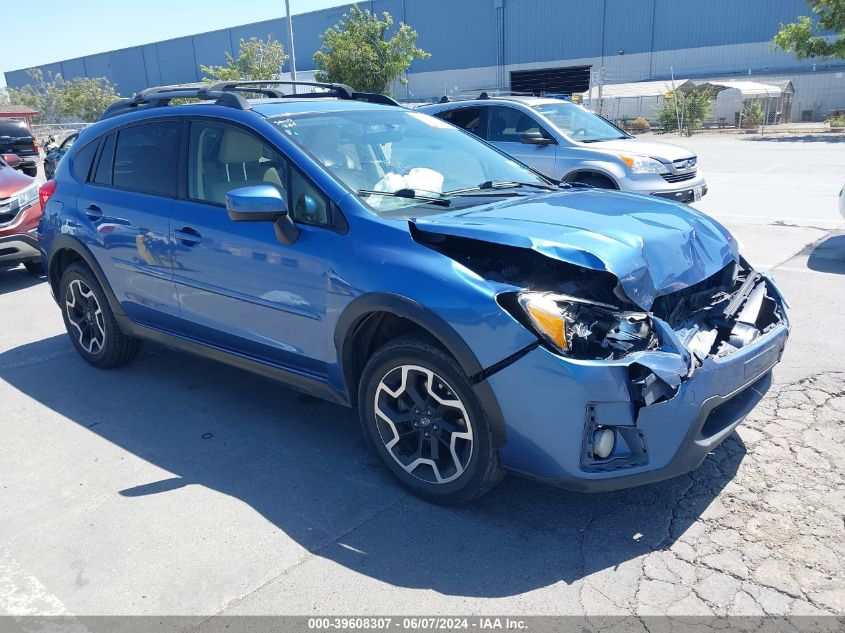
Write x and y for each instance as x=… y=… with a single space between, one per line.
x=666 y=412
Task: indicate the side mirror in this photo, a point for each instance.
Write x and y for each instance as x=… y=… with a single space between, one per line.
x=536 y=138
x=262 y=203
x=12 y=160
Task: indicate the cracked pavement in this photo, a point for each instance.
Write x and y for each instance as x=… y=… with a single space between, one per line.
x=177 y=486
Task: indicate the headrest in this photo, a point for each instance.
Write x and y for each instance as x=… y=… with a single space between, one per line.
x=239 y=147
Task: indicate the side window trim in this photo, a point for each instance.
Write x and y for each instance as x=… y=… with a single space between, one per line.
x=92 y=173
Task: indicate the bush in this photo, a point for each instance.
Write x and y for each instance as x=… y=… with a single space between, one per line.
x=640 y=125
x=753 y=115
x=836 y=121
x=689 y=109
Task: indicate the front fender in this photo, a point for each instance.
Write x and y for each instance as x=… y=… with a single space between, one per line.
x=605 y=168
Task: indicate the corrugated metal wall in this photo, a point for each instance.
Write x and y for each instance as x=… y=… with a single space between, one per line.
x=635 y=40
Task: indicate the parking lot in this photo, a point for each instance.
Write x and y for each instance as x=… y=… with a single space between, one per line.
x=179 y=486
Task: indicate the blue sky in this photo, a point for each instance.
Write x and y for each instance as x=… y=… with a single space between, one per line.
x=66 y=29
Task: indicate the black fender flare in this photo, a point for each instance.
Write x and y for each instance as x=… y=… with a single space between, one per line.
x=437 y=327
x=68 y=242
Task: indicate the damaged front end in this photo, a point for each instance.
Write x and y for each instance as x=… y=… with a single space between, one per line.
x=625 y=366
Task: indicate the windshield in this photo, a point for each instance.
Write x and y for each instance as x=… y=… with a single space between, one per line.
x=400 y=151
x=579 y=124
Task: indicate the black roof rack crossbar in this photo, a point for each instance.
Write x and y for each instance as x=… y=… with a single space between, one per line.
x=162 y=96
x=341 y=91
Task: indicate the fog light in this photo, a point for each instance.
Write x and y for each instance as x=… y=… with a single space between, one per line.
x=603 y=442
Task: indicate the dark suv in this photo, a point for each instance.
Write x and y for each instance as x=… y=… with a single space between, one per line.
x=480 y=316
x=17 y=138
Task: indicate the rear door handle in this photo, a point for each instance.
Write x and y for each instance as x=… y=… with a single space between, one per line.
x=93 y=212
x=188 y=236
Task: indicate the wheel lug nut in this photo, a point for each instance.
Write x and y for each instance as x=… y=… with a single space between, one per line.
x=417 y=411
x=435 y=427
x=416 y=425
x=427 y=434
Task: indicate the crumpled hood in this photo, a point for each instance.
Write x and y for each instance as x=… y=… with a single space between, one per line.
x=652 y=246
x=663 y=151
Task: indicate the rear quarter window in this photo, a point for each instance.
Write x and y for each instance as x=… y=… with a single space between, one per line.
x=80 y=163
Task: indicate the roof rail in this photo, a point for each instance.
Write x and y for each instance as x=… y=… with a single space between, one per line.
x=228 y=93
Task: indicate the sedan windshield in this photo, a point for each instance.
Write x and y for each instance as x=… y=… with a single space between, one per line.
x=395 y=159
x=579 y=124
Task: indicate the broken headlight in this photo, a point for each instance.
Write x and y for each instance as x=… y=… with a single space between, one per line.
x=587 y=330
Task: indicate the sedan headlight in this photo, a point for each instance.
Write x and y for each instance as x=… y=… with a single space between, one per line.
x=28 y=196
x=644 y=165
x=587 y=330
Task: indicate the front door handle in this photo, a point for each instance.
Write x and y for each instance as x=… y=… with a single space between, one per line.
x=93 y=212
x=188 y=236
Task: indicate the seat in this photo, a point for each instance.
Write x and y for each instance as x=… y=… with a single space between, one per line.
x=239 y=164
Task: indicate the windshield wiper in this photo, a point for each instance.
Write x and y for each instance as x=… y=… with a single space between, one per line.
x=405 y=193
x=500 y=184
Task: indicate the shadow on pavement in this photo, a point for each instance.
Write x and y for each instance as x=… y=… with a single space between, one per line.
x=828 y=256
x=795 y=138
x=303 y=465
x=12 y=279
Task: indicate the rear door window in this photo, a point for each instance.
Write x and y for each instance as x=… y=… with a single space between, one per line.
x=466 y=118
x=508 y=125
x=146 y=158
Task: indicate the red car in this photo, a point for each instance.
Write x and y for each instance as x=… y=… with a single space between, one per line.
x=20 y=211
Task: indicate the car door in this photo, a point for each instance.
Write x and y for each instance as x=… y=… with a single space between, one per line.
x=506 y=127
x=124 y=210
x=239 y=288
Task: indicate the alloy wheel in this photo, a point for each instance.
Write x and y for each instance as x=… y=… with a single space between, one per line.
x=423 y=424
x=84 y=314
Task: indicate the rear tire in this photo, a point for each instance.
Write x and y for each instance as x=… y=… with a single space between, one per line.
x=420 y=414
x=90 y=322
x=34 y=268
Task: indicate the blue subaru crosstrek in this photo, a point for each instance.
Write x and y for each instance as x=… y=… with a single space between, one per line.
x=481 y=317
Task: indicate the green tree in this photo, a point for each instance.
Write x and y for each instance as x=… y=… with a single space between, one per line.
x=86 y=97
x=804 y=37
x=4 y=97
x=355 y=52
x=57 y=99
x=46 y=95
x=257 y=59
x=686 y=111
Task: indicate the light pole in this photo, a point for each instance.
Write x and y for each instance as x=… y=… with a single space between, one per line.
x=290 y=44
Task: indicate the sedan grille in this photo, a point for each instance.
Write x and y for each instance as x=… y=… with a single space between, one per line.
x=8 y=210
x=679 y=177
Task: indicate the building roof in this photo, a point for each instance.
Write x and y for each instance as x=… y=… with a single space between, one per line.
x=16 y=110
x=640 y=89
x=747 y=89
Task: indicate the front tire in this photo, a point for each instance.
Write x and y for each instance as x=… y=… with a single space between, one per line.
x=420 y=414
x=90 y=322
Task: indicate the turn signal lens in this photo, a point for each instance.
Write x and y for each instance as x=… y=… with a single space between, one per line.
x=548 y=320
x=628 y=161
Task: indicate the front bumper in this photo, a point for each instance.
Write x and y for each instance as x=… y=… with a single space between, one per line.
x=19 y=248
x=655 y=185
x=548 y=403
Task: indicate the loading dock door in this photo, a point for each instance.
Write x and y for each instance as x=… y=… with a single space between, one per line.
x=551 y=81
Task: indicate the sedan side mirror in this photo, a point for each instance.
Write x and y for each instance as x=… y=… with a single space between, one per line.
x=262 y=203
x=12 y=160
x=536 y=138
